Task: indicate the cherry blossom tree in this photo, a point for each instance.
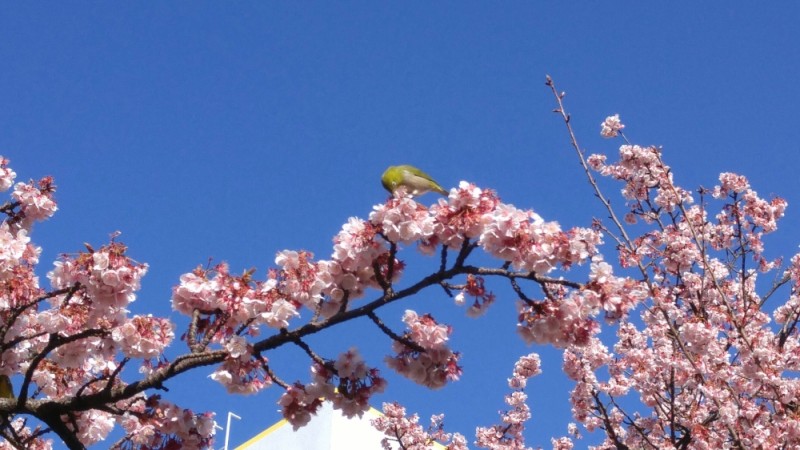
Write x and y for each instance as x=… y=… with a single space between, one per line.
x=696 y=351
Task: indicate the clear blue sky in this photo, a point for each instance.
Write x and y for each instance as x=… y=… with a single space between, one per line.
x=234 y=130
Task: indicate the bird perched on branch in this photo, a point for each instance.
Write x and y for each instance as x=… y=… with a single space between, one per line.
x=414 y=180
x=6 y=390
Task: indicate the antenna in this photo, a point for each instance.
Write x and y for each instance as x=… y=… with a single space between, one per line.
x=228 y=429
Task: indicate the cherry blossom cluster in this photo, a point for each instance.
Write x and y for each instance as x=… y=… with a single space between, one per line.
x=16 y=253
x=406 y=431
x=706 y=364
x=402 y=220
x=358 y=249
x=347 y=383
x=704 y=355
x=746 y=205
x=97 y=286
x=108 y=281
x=25 y=437
x=563 y=320
x=647 y=179
x=580 y=364
x=566 y=442
x=144 y=337
x=35 y=200
x=521 y=237
x=508 y=435
x=611 y=126
x=464 y=215
x=242 y=372
x=74 y=340
x=430 y=362
x=229 y=301
x=614 y=295
x=320 y=286
x=566 y=317
x=482 y=298
x=94 y=289
x=529 y=243
x=18 y=258
x=7 y=175
x=154 y=423
x=365 y=255
x=298 y=406
x=525 y=368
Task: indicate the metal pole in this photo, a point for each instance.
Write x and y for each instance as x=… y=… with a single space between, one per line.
x=228 y=428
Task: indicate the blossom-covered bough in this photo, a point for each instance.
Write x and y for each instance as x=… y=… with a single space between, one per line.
x=695 y=352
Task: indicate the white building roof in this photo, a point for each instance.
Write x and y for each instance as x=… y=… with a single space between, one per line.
x=328 y=430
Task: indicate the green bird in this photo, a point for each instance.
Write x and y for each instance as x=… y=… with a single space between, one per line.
x=414 y=180
x=6 y=390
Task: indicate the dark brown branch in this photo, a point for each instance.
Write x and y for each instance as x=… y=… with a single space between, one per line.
x=51 y=411
x=208 y=335
x=70 y=439
x=8 y=208
x=16 y=312
x=387 y=331
x=612 y=434
x=278 y=340
x=775 y=286
x=345 y=302
x=533 y=276
x=386 y=284
x=521 y=295
x=54 y=342
x=268 y=370
x=191 y=335
x=116 y=373
x=311 y=354
x=466 y=249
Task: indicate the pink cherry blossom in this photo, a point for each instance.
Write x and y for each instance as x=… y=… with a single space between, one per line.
x=14 y=247
x=355 y=246
x=194 y=292
x=611 y=126
x=7 y=175
x=242 y=375
x=36 y=199
x=402 y=220
x=144 y=336
x=482 y=298
x=347 y=383
x=508 y=434
x=434 y=366
x=463 y=215
x=409 y=434
x=297 y=408
x=680 y=332
x=298 y=279
x=26 y=434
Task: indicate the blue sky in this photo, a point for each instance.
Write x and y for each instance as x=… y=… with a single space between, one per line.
x=235 y=130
